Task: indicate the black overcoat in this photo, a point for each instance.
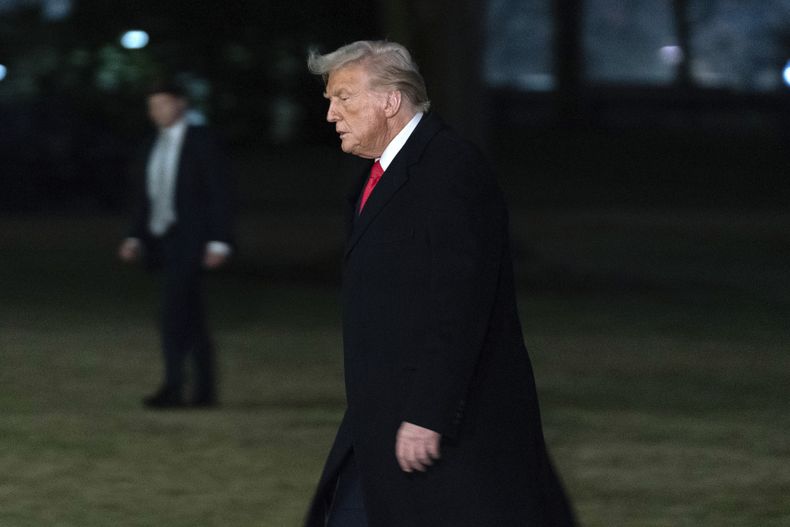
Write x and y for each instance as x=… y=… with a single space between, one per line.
x=432 y=336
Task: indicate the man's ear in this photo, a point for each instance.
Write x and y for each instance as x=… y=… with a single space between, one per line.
x=392 y=103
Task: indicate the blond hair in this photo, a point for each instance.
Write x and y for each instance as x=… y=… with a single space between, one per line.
x=390 y=66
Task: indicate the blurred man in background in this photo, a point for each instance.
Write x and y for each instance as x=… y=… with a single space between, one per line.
x=182 y=226
x=442 y=427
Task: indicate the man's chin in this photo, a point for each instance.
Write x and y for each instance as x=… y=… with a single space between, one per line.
x=356 y=151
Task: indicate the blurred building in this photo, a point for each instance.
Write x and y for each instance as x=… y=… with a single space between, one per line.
x=741 y=45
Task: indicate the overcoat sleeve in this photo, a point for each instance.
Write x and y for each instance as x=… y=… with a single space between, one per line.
x=217 y=178
x=466 y=229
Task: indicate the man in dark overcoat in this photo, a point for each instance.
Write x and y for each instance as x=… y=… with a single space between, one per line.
x=442 y=427
x=182 y=226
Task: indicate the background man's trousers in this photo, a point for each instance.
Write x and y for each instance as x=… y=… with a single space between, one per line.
x=183 y=321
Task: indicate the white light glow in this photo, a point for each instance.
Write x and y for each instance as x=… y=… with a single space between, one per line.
x=3 y=72
x=786 y=74
x=135 y=39
x=671 y=55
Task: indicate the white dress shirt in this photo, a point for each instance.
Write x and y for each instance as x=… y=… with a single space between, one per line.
x=161 y=177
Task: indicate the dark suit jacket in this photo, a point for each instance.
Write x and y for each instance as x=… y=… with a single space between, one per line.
x=432 y=336
x=203 y=198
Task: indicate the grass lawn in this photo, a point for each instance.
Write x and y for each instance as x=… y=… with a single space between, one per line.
x=660 y=344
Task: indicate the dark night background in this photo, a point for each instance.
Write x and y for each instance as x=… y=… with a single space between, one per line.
x=579 y=104
x=643 y=149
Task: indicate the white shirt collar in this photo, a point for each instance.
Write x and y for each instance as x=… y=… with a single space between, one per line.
x=398 y=141
x=175 y=130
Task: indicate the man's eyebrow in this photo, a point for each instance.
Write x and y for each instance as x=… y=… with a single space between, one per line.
x=339 y=92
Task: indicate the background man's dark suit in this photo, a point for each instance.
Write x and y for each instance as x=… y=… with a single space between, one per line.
x=204 y=213
x=432 y=337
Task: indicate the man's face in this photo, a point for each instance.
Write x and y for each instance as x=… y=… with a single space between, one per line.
x=165 y=109
x=357 y=111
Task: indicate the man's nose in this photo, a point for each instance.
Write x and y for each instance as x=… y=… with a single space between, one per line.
x=331 y=114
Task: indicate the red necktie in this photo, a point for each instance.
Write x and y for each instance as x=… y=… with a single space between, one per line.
x=375 y=175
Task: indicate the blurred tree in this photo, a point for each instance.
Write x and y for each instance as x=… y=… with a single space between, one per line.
x=243 y=62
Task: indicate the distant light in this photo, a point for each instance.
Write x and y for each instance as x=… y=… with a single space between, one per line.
x=786 y=73
x=671 y=55
x=56 y=9
x=3 y=72
x=134 y=39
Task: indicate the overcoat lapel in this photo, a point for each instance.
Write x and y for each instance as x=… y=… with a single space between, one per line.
x=396 y=175
x=390 y=183
x=352 y=200
x=183 y=157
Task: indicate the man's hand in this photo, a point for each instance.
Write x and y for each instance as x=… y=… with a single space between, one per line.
x=416 y=447
x=129 y=250
x=214 y=260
